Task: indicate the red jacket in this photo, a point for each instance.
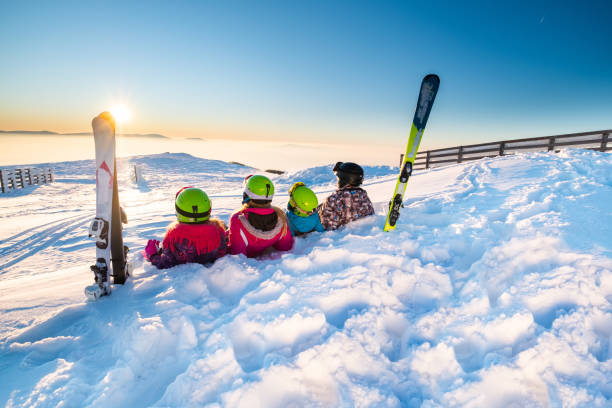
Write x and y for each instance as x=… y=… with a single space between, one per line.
x=253 y=230
x=191 y=243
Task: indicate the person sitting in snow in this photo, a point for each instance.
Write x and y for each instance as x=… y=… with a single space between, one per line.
x=194 y=237
x=301 y=210
x=258 y=225
x=349 y=202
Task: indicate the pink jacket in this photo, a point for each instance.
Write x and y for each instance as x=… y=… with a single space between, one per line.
x=252 y=230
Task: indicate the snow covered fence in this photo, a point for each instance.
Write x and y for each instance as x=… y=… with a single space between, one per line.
x=597 y=140
x=20 y=178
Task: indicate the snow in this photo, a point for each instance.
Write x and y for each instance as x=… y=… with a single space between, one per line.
x=495 y=290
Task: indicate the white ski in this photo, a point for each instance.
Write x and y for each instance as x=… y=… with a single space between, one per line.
x=100 y=229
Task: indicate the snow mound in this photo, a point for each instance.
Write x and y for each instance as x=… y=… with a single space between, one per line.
x=495 y=290
x=323 y=176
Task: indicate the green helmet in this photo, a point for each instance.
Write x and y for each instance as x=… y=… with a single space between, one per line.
x=192 y=205
x=258 y=187
x=302 y=199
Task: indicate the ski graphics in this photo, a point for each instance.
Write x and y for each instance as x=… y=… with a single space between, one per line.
x=427 y=95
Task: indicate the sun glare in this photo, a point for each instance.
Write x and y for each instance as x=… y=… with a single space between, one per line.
x=121 y=113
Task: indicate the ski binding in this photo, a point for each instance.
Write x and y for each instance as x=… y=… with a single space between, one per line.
x=101 y=287
x=98 y=231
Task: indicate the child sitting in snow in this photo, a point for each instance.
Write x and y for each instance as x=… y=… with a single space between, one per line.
x=301 y=210
x=194 y=237
x=258 y=225
x=349 y=202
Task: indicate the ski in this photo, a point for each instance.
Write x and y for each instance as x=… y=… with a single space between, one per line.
x=106 y=227
x=427 y=95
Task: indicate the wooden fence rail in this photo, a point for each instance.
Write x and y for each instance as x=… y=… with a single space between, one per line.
x=597 y=140
x=21 y=178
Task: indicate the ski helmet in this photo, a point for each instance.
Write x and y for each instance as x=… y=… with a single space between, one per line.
x=258 y=188
x=302 y=199
x=348 y=174
x=192 y=205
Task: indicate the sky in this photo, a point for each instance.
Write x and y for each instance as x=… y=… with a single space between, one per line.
x=342 y=72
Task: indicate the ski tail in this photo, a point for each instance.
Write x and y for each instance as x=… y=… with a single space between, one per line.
x=104 y=117
x=427 y=95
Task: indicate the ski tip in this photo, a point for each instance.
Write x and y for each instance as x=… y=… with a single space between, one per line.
x=105 y=116
x=432 y=78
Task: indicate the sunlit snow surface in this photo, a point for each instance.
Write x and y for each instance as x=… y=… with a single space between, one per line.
x=494 y=291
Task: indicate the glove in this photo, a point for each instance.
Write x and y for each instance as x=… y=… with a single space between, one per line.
x=152 y=248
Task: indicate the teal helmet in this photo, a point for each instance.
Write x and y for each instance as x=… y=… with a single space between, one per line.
x=258 y=188
x=192 y=205
x=302 y=199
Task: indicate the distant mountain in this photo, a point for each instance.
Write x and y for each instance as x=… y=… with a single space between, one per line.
x=155 y=135
x=30 y=132
x=46 y=132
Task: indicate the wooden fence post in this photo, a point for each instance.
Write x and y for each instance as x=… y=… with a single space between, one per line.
x=401 y=160
x=18 y=178
x=6 y=175
x=604 y=141
x=427 y=159
x=1 y=181
x=502 y=145
x=10 y=180
x=460 y=155
x=50 y=175
x=551 y=144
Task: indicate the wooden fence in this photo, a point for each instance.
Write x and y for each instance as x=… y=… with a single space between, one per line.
x=597 y=140
x=20 y=178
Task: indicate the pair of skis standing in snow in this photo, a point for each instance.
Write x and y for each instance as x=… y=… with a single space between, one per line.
x=257 y=227
x=258 y=220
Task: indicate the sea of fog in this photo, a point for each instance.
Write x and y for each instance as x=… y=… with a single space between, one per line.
x=26 y=149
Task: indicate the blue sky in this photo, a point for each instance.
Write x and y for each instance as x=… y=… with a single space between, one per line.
x=311 y=71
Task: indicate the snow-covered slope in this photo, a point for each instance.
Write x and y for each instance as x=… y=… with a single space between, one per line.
x=495 y=290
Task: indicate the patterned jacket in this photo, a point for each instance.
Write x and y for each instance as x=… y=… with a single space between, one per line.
x=191 y=243
x=345 y=205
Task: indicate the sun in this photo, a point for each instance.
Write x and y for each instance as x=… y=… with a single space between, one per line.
x=121 y=113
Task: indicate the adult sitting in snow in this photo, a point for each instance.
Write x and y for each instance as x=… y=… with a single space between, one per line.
x=349 y=202
x=258 y=225
x=194 y=237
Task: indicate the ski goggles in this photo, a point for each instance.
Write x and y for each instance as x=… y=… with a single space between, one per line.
x=299 y=211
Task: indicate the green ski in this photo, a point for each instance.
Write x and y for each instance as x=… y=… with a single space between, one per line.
x=429 y=89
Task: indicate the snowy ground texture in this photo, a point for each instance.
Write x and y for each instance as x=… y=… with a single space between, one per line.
x=494 y=291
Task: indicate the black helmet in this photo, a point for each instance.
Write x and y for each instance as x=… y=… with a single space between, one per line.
x=348 y=174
